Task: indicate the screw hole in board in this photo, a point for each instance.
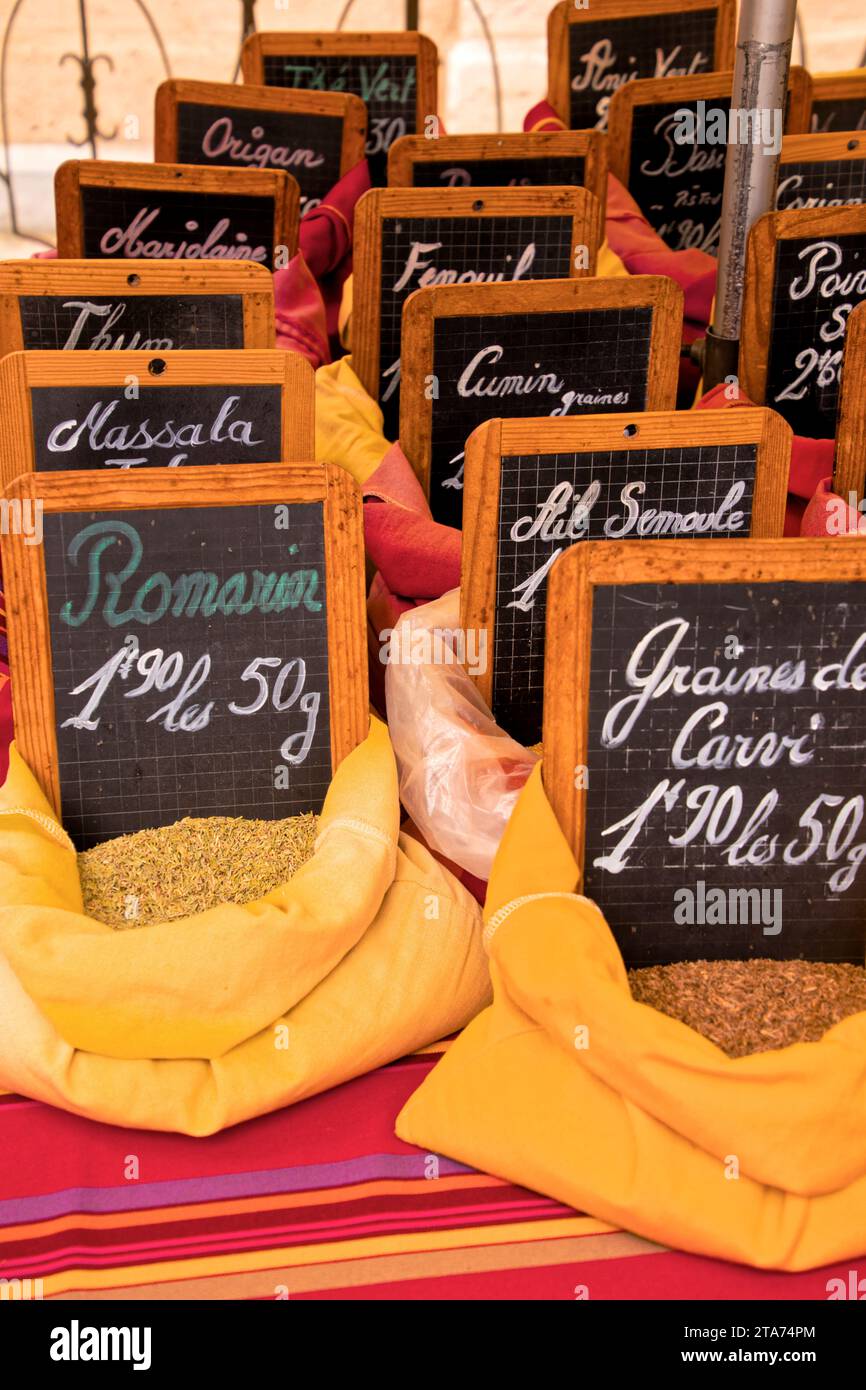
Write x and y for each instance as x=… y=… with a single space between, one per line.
x=630 y=431
x=157 y=366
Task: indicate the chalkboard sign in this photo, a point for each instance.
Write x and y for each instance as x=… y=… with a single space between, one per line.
x=66 y=411
x=408 y=239
x=703 y=727
x=821 y=171
x=174 y=212
x=849 y=478
x=505 y=161
x=393 y=73
x=838 y=101
x=805 y=271
x=473 y=353
x=187 y=646
x=533 y=488
x=668 y=144
x=78 y=306
x=596 y=49
x=314 y=136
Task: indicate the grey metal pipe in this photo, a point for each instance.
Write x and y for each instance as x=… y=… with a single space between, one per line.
x=763 y=58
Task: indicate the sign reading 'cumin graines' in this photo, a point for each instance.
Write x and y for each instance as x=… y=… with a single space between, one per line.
x=576 y=348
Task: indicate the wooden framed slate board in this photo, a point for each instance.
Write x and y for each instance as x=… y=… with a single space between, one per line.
x=406 y=239
x=505 y=161
x=125 y=411
x=838 y=101
x=395 y=74
x=154 y=306
x=805 y=271
x=222 y=672
x=849 y=478
x=475 y=352
x=314 y=136
x=768 y=640
x=536 y=487
x=821 y=171
x=679 y=186
x=174 y=212
x=594 y=50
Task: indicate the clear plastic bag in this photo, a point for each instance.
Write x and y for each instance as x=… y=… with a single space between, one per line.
x=460 y=774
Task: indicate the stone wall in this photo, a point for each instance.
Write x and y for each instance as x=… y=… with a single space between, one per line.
x=201 y=37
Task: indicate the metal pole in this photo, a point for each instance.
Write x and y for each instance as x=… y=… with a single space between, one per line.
x=760 y=85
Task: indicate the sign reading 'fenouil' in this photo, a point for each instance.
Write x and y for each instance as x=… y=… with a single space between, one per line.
x=394 y=74
x=805 y=271
x=187 y=646
x=67 y=411
x=477 y=352
x=593 y=50
x=175 y=212
x=536 y=487
x=314 y=136
x=703 y=721
x=80 y=306
x=409 y=239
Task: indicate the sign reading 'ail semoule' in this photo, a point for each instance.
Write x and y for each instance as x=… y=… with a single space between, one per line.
x=70 y=411
x=81 y=306
x=188 y=646
x=175 y=212
x=805 y=271
x=596 y=49
x=704 y=718
x=536 y=487
x=314 y=136
x=410 y=239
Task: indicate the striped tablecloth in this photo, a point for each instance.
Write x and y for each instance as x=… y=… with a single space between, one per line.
x=317 y=1201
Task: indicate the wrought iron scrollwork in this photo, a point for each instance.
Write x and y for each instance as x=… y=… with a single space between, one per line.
x=87 y=64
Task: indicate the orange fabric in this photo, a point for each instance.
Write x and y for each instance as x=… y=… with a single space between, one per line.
x=568 y=1086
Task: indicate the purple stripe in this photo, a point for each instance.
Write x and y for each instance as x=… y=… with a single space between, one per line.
x=137 y=1196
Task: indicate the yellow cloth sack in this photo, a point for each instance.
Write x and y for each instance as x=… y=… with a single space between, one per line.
x=371 y=951
x=348 y=422
x=568 y=1086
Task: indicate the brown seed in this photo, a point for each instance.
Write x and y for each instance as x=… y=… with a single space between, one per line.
x=747 y=1006
x=197 y=863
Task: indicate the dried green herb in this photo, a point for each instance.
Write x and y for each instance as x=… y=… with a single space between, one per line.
x=197 y=863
